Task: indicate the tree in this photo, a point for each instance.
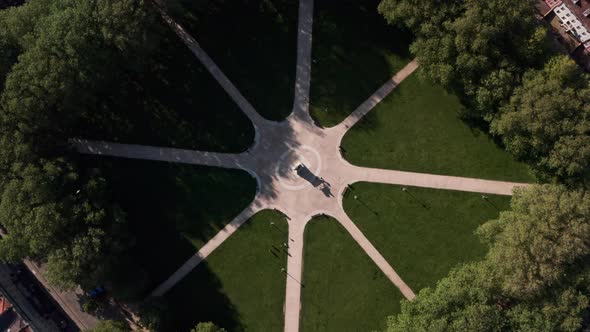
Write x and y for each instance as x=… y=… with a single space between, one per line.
x=8 y=51
x=468 y=300
x=540 y=241
x=55 y=210
x=476 y=48
x=153 y=314
x=207 y=327
x=411 y=13
x=463 y=301
x=535 y=277
x=110 y=326
x=547 y=121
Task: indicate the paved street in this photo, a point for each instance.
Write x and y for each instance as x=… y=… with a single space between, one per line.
x=30 y=301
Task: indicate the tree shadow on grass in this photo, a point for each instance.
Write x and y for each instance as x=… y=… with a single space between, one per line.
x=199 y=298
x=171 y=210
x=157 y=250
x=473 y=118
x=254 y=44
x=198 y=201
x=169 y=99
x=354 y=53
x=368 y=123
x=241 y=286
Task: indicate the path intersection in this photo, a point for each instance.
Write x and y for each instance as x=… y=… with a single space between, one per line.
x=298 y=167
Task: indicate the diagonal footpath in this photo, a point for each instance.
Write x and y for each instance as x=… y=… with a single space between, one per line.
x=374 y=254
x=208 y=248
x=146 y=152
x=386 y=176
x=377 y=97
x=303 y=71
x=213 y=69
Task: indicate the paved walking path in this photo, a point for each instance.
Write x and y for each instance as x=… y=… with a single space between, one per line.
x=146 y=152
x=377 y=97
x=68 y=300
x=374 y=254
x=294 y=274
x=209 y=247
x=278 y=149
x=303 y=72
x=435 y=181
x=227 y=85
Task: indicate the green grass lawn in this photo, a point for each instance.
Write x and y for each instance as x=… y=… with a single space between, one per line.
x=422 y=243
x=417 y=128
x=354 y=53
x=171 y=100
x=344 y=289
x=253 y=42
x=240 y=286
x=171 y=211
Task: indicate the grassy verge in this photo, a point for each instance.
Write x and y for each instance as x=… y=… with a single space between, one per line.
x=344 y=290
x=240 y=286
x=422 y=233
x=253 y=42
x=170 y=100
x=171 y=211
x=354 y=53
x=417 y=128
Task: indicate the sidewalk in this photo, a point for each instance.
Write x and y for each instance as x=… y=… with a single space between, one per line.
x=67 y=300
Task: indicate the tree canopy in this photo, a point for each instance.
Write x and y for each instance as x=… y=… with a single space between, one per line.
x=207 y=327
x=547 y=120
x=58 y=61
x=476 y=48
x=110 y=326
x=541 y=241
x=535 y=276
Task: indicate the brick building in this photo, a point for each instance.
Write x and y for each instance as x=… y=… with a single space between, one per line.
x=570 y=21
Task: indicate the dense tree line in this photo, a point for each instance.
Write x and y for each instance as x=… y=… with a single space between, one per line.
x=110 y=326
x=547 y=120
x=535 y=277
x=477 y=48
x=494 y=55
x=57 y=58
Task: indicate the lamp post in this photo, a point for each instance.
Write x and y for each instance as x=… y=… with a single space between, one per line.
x=486 y=198
x=404 y=189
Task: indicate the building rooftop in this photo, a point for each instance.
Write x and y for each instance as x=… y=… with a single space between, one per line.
x=10 y=320
x=542 y=7
x=574 y=17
